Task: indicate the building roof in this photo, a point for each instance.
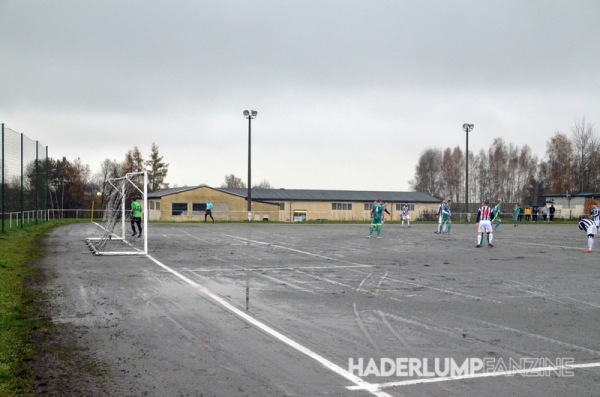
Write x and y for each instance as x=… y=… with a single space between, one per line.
x=310 y=195
x=572 y=195
x=332 y=195
x=169 y=191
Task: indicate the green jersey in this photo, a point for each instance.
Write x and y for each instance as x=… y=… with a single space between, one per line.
x=446 y=213
x=136 y=210
x=516 y=213
x=377 y=211
x=497 y=210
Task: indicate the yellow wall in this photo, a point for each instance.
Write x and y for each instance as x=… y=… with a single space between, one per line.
x=226 y=206
x=323 y=210
x=230 y=207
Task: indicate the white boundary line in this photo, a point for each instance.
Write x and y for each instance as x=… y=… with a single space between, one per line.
x=479 y=375
x=358 y=382
x=298 y=251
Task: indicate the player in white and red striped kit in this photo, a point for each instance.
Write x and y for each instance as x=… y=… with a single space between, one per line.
x=484 y=223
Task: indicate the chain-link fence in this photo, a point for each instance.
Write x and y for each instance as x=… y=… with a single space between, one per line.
x=24 y=184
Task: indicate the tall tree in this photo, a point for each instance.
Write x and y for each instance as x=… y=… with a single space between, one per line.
x=264 y=184
x=498 y=169
x=559 y=167
x=232 y=181
x=134 y=162
x=585 y=150
x=108 y=169
x=452 y=173
x=157 y=170
x=428 y=173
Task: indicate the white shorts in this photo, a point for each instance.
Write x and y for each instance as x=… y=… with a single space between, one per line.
x=440 y=219
x=485 y=227
x=406 y=217
x=592 y=230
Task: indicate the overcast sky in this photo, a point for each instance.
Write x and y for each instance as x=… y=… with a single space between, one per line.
x=348 y=93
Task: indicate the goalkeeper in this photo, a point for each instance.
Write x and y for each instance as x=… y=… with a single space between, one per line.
x=136 y=216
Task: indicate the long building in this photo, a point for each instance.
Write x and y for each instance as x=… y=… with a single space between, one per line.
x=283 y=205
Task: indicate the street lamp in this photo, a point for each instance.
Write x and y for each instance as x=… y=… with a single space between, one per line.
x=250 y=114
x=467 y=128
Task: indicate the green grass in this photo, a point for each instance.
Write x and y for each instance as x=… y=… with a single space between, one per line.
x=20 y=305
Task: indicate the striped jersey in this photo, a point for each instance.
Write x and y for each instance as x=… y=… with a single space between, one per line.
x=405 y=210
x=585 y=224
x=596 y=215
x=485 y=213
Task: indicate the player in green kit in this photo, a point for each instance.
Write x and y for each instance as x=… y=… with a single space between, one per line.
x=136 y=216
x=376 y=218
x=497 y=212
x=447 y=217
x=516 y=213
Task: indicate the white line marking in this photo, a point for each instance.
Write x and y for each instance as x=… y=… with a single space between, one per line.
x=446 y=291
x=548 y=292
x=266 y=269
x=544 y=338
x=278 y=335
x=296 y=250
x=543 y=245
x=478 y=375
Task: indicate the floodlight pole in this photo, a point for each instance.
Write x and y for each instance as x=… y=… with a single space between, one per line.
x=250 y=114
x=467 y=128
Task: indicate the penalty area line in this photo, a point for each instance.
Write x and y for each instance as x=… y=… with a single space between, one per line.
x=478 y=375
x=358 y=382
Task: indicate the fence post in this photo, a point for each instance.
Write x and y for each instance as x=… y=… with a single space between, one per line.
x=37 y=161
x=3 y=193
x=22 y=184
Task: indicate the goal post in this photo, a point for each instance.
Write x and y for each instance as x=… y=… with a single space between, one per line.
x=111 y=236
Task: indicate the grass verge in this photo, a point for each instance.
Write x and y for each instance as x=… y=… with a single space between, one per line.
x=20 y=305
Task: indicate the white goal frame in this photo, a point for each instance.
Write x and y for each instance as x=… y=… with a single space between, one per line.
x=112 y=234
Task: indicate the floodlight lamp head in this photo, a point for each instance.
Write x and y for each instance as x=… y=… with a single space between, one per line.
x=254 y=113
x=468 y=127
x=246 y=113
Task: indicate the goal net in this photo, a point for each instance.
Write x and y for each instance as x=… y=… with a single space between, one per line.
x=114 y=234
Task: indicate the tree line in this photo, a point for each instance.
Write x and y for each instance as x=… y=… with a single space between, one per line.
x=71 y=184
x=512 y=173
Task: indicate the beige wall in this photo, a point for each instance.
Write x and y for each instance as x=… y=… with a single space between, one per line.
x=230 y=207
x=226 y=206
x=322 y=210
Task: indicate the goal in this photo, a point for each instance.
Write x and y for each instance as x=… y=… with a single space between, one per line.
x=114 y=235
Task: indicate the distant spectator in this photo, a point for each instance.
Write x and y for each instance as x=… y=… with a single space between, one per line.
x=544 y=211
x=527 y=214
x=552 y=210
x=534 y=213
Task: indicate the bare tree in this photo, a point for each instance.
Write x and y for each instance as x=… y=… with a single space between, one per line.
x=559 y=168
x=232 y=182
x=264 y=184
x=585 y=148
x=428 y=173
x=498 y=169
x=452 y=173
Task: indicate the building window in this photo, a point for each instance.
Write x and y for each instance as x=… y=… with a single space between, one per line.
x=341 y=206
x=198 y=209
x=179 y=209
x=368 y=206
x=158 y=205
x=151 y=205
x=281 y=206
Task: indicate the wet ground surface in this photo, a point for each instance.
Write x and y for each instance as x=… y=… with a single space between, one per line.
x=292 y=310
